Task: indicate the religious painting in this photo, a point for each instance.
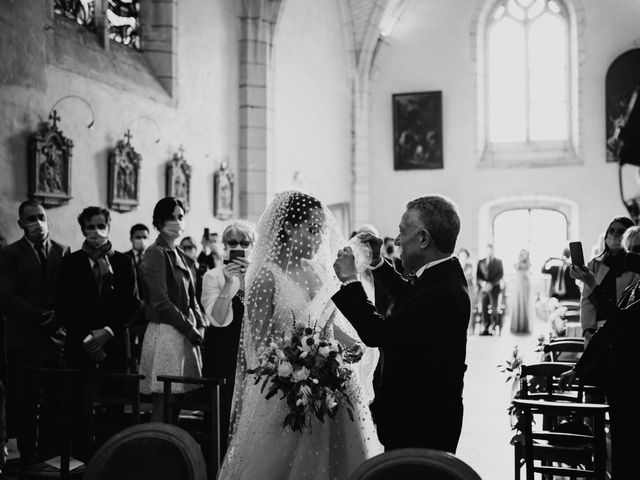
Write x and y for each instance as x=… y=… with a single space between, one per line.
x=223 y=192
x=179 y=179
x=50 y=154
x=417 y=130
x=124 y=176
x=622 y=78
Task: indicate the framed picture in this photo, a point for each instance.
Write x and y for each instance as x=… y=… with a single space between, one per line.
x=124 y=177
x=622 y=77
x=50 y=154
x=417 y=130
x=179 y=179
x=223 y=186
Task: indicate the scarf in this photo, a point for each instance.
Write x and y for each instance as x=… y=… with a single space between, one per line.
x=100 y=255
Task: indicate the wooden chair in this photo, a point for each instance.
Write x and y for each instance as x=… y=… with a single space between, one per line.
x=199 y=414
x=414 y=464
x=150 y=450
x=552 y=452
x=564 y=350
x=111 y=404
x=55 y=414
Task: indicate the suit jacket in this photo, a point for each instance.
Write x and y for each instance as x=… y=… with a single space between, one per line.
x=26 y=292
x=170 y=292
x=82 y=308
x=572 y=291
x=492 y=273
x=423 y=342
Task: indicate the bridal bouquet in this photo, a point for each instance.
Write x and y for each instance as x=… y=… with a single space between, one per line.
x=307 y=370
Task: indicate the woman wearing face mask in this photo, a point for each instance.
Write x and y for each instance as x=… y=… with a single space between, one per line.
x=614 y=347
x=611 y=273
x=171 y=344
x=95 y=300
x=222 y=299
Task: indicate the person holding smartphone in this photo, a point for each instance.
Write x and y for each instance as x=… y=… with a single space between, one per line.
x=223 y=304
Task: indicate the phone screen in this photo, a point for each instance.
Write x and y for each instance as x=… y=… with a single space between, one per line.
x=577 y=256
x=234 y=254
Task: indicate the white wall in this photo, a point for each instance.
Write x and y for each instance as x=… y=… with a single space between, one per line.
x=432 y=49
x=312 y=101
x=203 y=116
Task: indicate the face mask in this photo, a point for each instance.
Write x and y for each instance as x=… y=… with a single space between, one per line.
x=139 y=244
x=97 y=237
x=37 y=230
x=633 y=262
x=173 y=228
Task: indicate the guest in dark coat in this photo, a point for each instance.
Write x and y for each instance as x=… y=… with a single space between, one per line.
x=614 y=347
x=96 y=298
x=28 y=276
x=424 y=339
x=139 y=236
x=489 y=275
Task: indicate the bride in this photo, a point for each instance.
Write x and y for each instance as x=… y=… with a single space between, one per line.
x=291 y=274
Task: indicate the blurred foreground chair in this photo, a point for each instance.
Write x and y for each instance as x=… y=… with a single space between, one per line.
x=148 y=451
x=414 y=464
x=564 y=349
x=556 y=452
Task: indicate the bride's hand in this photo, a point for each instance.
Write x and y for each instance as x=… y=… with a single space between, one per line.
x=354 y=353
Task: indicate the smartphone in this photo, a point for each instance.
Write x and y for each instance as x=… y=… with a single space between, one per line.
x=577 y=257
x=206 y=233
x=234 y=254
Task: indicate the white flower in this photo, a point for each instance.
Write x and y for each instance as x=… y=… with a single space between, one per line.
x=308 y=342
x=324 y=351
x=330 y=401
x=301 y=374
x=285 y=369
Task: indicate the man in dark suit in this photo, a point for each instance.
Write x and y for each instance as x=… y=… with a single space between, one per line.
x=489 y=275
x=28 y=276
x=96 y=298
x=139 y=237
x=424 y=339
x=562 y=286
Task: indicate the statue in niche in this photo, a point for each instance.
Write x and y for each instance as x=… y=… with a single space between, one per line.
x=124 y=176
x=179 y=179
x=223 y=192
x=50 y=164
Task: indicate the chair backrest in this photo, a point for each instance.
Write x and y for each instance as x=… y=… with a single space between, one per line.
x=539 y=381
x=564 y=350
x=414 y=463
x=208 y=402
x=564 y=452
x=112 y=403
x=151 y=450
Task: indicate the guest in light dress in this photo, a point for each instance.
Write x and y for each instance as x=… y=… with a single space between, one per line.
x=520 y=305
x=175 y=332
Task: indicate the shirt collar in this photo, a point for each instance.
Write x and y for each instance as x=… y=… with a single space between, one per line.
x=33 y=245
x=432 y=264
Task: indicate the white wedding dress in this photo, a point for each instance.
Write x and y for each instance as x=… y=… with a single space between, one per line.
x=260 y=448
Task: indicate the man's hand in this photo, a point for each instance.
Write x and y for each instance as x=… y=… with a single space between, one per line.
x=354 y=353
x=98 y=355
x=98 y=338
x=566 y=380
x=375 y=244
x=345 y=265
x=195 y=337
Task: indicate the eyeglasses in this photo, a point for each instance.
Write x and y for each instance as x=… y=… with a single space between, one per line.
x=617 y=231
x=99 y=226
x=235 y=243
x=635 y=249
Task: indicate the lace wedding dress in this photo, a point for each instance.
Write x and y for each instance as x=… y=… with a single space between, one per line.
x=292 y=276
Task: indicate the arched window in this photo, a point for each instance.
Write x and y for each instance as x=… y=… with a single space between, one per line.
x=528 y=77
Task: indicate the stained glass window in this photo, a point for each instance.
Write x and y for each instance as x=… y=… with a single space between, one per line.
x=123 y=17
x=80 y=11
x=527 y=71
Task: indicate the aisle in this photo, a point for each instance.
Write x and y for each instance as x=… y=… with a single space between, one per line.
x=484 y=443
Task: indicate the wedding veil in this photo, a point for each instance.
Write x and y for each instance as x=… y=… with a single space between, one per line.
x=297 y=240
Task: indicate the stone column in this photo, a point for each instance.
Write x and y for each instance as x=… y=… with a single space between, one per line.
x=257 y=25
